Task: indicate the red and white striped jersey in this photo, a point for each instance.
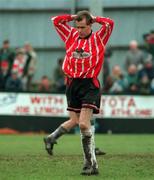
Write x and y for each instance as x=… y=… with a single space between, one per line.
x=18 y=66
x=84 y=57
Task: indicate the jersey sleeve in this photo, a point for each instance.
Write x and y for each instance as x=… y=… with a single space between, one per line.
x=62 y=26
x=105 y=31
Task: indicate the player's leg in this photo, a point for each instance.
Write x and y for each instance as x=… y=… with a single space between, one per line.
x=93 y=131
x=97 y=150
x=64 y=128
x=90 y=163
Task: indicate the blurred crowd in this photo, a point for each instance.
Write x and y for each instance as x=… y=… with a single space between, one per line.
x=17 y=67
x=134 y=76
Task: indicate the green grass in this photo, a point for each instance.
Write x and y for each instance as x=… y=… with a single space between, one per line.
x=129 y=157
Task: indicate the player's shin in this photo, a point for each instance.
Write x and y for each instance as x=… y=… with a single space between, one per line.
x=90 y=165
x=86 y=141
x=93 y=132
x=58 y=132
x=88 y=144
x=50 y=140
x=63 y=129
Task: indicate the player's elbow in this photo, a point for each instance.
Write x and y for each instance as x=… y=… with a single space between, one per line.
x=54 y=20
x=111 y=23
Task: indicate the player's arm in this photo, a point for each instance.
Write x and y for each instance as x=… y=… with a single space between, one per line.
x=107 y=26
x=62 y=26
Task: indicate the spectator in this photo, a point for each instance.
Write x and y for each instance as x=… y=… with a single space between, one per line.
x=7 y=55
x=45 y=85
x=30 y=66
x=14 y=83
x=149 y=40
x=59 y=77
x=106 y=68
x=148 y=69
x=144 y=85
x=118 y=85
x=4 y=74
x=19 y=63
x=116 y=72
x=131 y=80
x=134 y=56
x=107 y=85
x=19 y=66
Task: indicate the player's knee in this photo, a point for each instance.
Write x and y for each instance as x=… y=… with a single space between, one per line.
x=83 y=126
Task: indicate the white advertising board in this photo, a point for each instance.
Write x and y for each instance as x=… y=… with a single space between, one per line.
x=31 y=104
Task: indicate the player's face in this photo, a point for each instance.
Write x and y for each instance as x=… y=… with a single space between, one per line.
x=83 y=29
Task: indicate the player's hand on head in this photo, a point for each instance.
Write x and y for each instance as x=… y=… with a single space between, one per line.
x=73 y=16
x=93 y=18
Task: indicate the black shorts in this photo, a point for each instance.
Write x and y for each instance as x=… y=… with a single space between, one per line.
x=82 y=93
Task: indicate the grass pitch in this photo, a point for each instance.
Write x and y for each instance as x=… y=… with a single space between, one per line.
x=129 y=157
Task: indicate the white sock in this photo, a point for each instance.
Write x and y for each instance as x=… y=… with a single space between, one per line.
x=93 y=142
x=86 y=141
x=58 y=132
x=90 y=146
x=93 y=134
